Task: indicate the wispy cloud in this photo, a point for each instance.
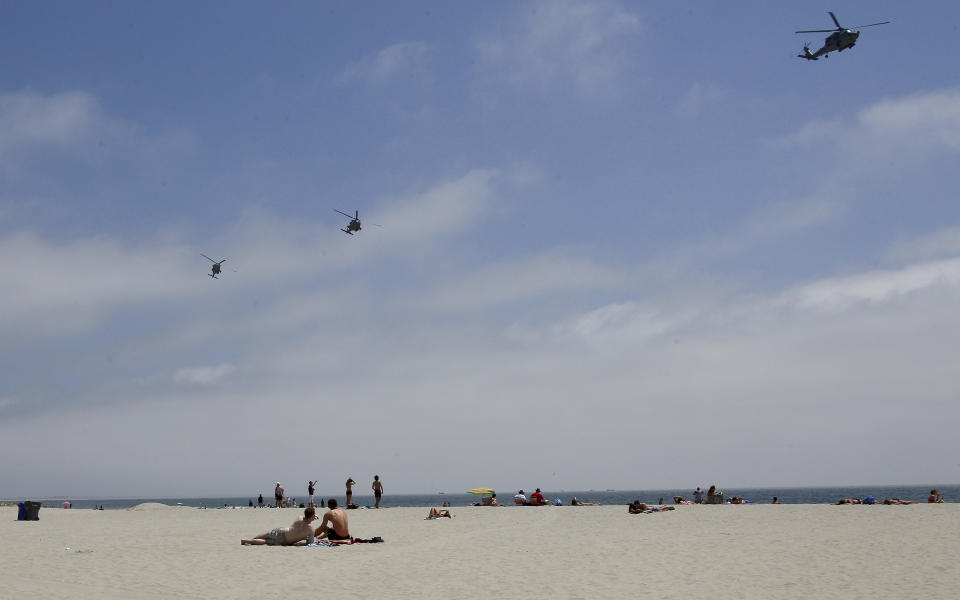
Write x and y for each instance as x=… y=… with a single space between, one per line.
x=558 y=45
x=203 y=375
x=444 y=208
x=67 y=286
x=876 y=286
x=913 y=123
x=405 y=59
x=29 y=118
x=940 y=243
x=697 y=98
x=521 y=280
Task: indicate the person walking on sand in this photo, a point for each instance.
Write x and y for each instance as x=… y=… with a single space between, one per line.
x=349 y=485
x=310 y=490
x=377 y=490
x=278 y=495
x=298 y=534
x=339 y=527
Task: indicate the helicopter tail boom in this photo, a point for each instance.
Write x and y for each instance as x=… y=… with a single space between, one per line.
x=815 y=56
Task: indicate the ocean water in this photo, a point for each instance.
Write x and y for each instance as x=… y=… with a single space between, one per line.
x=792 y=495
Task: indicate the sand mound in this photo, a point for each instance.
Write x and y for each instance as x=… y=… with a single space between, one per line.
x=152 y=506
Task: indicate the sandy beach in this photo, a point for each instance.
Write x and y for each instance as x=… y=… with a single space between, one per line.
x=751 y=551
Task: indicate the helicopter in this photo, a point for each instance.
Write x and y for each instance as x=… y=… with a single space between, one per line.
x=839 y=39
x=215 y=267
x=354 y=224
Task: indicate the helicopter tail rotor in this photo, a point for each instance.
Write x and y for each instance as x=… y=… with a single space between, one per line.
x=806 y=53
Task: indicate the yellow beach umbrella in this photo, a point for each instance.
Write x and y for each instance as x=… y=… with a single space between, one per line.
x=480 y=491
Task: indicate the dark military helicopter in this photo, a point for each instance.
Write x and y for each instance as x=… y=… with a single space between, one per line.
x=215 y=267
x=354 y=224
x=839 y=39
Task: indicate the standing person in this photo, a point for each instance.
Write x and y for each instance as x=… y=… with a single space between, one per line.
x=698 y=496
x=260 y=501
x=377 y=490
x=278 y=495
x=310 y=490
x=349 y=484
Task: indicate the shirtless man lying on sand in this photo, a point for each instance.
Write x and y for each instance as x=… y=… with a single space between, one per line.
x=338 y=529
x=298 y=534
x=638 y=507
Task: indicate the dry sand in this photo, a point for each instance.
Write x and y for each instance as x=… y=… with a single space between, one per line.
x=749 y=551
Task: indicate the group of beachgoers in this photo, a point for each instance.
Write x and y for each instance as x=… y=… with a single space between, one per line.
x=281 y=500
x=334 y=527
x=934 y=498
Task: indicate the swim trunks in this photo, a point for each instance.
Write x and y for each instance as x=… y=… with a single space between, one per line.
x=333 y=535
x=378 y=495
x=278 y=537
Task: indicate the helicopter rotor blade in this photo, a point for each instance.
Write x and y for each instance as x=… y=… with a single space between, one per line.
x=207 y=257
x=871 y=24
x=834 y=17
x=815 y=31
x=343 y=213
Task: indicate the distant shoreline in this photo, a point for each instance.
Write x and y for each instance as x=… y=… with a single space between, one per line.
x=786 y=495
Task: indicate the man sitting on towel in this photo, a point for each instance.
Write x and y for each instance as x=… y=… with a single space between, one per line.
x=298 y=534
x=338 y=529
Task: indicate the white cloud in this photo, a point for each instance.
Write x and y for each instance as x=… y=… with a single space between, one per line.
x=59 y=119
x=699 y=97
x=945 y=242
x=560 y=44
x=398 y=60
x=442 y=209
x=53 y=287
x=876 y=287
x=910 y=124
x=203 y=375
x=519 y=280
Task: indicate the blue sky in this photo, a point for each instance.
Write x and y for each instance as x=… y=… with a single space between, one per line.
x=629 y=245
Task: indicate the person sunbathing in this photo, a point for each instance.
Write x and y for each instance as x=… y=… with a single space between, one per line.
x=640 y=507
x=849 y=501
x=298 y=534
x=577 y=502
x=436 y=513
x=898 y=501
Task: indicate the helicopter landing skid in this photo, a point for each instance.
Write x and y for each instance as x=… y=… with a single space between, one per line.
x=347 y=232
x=212 y=276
